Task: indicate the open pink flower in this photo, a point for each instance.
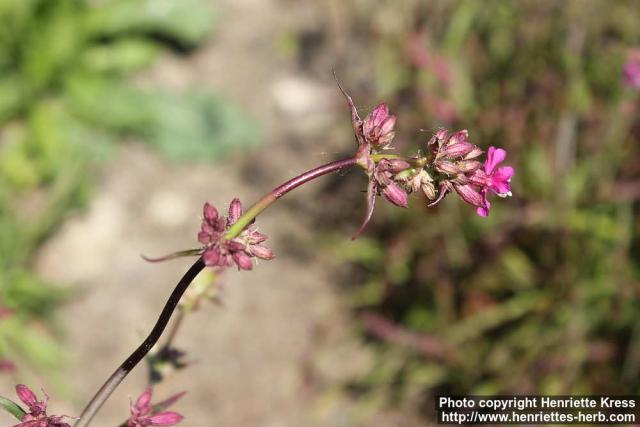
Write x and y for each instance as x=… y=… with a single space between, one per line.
x=144 y=414
x=493 y=178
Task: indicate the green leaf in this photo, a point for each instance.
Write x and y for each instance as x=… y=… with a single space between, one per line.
x=121 y=57
x=186 y=22
x=199 y=127
x=12 y=408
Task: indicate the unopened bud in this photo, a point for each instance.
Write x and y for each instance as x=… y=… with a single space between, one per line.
x=395 y=194
x=449 y=168
x=262 y=252
x=467 y=166
x=210 y=213
x=242 y=260
x=469 y=194
x=235 y=211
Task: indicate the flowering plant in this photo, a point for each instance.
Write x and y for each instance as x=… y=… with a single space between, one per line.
x=449 y=163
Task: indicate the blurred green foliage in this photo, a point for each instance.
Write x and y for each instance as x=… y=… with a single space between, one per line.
x=541 y=297
x=64 y=101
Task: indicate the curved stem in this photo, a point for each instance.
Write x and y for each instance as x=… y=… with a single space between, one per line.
x=127 y=366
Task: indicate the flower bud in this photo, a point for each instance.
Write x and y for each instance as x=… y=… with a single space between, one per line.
x=262 y=252
x=210 y=213
x=447 y=167
x=467 y=166
x=395 y=194
x=211 y=256
x=473 y=153
x=460 y=137
x=460 y=149
x=242 y=260
x=397 y=165
x=378 y=127
x=469 y=194
x=235 y=211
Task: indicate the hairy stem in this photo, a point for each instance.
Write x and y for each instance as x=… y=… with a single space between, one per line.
x=127 y=366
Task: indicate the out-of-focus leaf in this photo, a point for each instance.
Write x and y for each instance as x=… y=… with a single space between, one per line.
x=121 y=56
x=185 y=21
x=52 y=44
x=199 y=127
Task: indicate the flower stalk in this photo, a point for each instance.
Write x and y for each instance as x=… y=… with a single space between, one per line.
x=451 y=165
x=249 y=216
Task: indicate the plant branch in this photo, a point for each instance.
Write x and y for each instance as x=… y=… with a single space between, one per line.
x=127 y=366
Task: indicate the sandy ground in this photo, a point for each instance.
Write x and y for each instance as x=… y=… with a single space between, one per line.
x=276 y=352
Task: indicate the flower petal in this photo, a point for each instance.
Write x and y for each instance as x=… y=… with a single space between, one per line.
x=165 y=419
x=26 y=395
x=143 y=403
x=495 y=156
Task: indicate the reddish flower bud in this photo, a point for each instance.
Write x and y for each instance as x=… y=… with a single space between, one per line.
x=469 y=194
x=466 y=166
x=242 y=260
x=210 y=213
x=262 y=252
x=235 y=211
x=26 y=395
x=395 y=194
x=211 y=256
x=378 y=127
x=397 y=165
x=447 y=167
x=457 y=150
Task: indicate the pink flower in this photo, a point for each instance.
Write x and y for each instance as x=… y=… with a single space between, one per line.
x=144 y=414
x=36 y=410
x=35 y=407
x=493 y=178
x=7 y=366
x=631 y=70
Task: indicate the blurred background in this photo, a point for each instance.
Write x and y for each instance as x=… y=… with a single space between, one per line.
x=119 y=118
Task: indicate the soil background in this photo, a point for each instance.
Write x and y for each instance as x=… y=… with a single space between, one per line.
x=279 y=348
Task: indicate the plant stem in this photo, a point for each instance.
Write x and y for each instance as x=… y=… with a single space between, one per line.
x=127 y=366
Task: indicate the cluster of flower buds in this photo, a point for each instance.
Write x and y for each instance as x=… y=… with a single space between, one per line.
x=36 y=413
x=222 y=252
x=144 y=414
x=452 y=164
x=377 y=128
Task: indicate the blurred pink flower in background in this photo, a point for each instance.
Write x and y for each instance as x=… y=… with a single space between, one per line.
x=631 y=70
